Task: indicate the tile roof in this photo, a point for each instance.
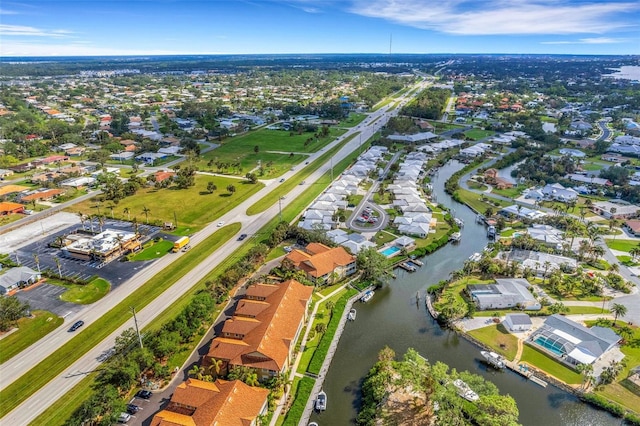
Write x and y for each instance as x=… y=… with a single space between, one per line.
x=222 y=403
x=270 y=335
x=10 y=189
x=318 y=260
x=7 y=206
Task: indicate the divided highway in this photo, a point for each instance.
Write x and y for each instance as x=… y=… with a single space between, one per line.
x=37 y=403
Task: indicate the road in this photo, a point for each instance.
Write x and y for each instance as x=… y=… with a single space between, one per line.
x=32 y=407
x=383 y=218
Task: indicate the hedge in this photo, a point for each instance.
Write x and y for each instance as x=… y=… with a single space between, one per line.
x=302 y=396
x=325 y=342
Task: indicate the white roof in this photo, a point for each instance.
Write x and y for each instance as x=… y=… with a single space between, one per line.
x=567 y=336
x=581 y=357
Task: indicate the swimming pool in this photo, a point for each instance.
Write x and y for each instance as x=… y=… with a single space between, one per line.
x=390 y=251
x=550 y=346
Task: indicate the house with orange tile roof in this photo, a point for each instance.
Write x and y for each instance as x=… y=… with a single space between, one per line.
x=42 y=195
x=12 y=189
x=224 y=403
x=7 y=208
x=263 y=330
x=163 y=175
x=320 y=262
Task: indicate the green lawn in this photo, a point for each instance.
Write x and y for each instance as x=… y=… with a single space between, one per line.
x=545 y=363
x=30 y=330
x=621 y=245
x=508 y=192
x=476 y=185
x=592 y=166
x=86 y=294
x=477 y=134
x=193 y=207
x=627 y=261
x=475 y=201
x=285 y=187
x=154 y=250
x=274 y=151
x=303 y=392
x=275 y=253
x=56 y=363
x=354 y=119
x=383 y=237
x=498 y=338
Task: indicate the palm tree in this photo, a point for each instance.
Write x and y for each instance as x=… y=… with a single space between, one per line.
x=37 y=260
x=586 y=370
x=127 y=212
x=55 y=259
x=252 y=379
x=146 y=212
x=547 y=265
x=634 y=252
x=100 y=222
x=618 y=310
x=111 y=207
x=82 y=219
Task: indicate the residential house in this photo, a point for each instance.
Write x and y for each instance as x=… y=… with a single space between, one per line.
x=12 y=189
x=4 y=173
x=228 y=403
x=547 y=235
x=557 y=192
x=263 y=330
x=517 y=322
x=7 y=208
x=320 y=262
x=572 y=343
x=506 y=293
x=42 y=194
x=633 y=227
x=608 y=210
x=541 y=263
x=18 y=277
x=614 y=158
x=593 y=180
x=491 y=177
x=521 y=212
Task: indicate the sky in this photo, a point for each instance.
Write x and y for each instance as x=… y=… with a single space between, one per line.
x=165 y=27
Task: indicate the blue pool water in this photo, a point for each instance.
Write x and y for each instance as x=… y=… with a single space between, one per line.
x=390 y=251
x=548 y=346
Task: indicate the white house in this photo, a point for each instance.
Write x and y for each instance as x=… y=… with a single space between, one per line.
x=517 y=322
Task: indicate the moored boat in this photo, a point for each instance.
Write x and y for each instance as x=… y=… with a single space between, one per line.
x=465 y=391
x=367 y=296
x=455 y=237
x=351 y=316
x=321 y=401
x=493 y=359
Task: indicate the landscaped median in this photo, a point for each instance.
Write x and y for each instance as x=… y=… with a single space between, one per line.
x=285 y=187
x=57 y=362
x=30 y=330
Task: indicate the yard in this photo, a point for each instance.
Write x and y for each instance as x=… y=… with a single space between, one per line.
x=622 y=245
x=498 y=338
x=277 y=152
x=353 y=120
x=508 y=192
x=545 y=363
x=477 y=134
x=384 y=237
x=194 y=207
x=30 y=330
x=476 y=202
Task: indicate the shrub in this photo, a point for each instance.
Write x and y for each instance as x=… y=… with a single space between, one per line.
x=297 y=408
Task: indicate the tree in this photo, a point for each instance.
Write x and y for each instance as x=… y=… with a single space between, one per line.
x=57 y=261
x=231 y=189
x=375 y=266
x=11 y=310
x=256 y=149
x=619 y=310
x=146 y=212
x=37 y=260
x=211 y=187
x=251 y=177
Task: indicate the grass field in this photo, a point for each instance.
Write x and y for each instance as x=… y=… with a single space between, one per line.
x=476 y=185
x=194 y=207
x=274 y=151
x=475 y=201
x=508 y=192
x=273 y=196
x=56 y=363
x=477 y=134
x=86 y=294
x=353 y=120
x=621 y=245
x=30 y=330
x=498 y=338
x=548 y=365
x=154 y=250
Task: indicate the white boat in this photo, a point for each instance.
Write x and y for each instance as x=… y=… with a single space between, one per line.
x=493 y=358
x=367 y=296
x=459 y=222
x=491 y=232
x=465 y=391
x=455 y=237
x=321 y=401
x=475 y=257
x=351 y=316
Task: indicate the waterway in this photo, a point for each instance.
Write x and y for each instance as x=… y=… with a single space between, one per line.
x=394 y=318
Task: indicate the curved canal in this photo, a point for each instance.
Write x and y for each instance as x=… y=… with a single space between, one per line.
x=394 y=318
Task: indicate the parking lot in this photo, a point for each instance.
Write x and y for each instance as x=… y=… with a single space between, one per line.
x=37 y=248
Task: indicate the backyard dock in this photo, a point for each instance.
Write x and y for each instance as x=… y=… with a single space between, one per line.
x=407 y=267
x=523 y=370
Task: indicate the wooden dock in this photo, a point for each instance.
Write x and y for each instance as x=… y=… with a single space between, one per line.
x=524 y=371
x=407 y=267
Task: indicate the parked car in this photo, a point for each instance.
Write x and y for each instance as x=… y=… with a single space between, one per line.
x=132 y=408
x=144 y=394
x=242 y=237
x=124 y=417
x=76 y=325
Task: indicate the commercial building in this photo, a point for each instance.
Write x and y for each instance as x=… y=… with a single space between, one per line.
x=105 y=246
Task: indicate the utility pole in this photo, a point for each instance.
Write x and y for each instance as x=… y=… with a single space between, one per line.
x=280 y=206
x=175 y=219
x=332 y=169
x=135 y=321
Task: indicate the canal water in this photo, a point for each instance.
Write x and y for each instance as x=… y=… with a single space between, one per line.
x=394 y=318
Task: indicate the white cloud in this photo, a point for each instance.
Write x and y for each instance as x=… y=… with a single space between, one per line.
x=78 y=48
x=594 y=40
x=8 y=12
x=22 y=31
x=500 y=17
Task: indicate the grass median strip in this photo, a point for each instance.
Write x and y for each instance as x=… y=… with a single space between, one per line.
x=30 y=330
x=272 y=197
x=56 y=363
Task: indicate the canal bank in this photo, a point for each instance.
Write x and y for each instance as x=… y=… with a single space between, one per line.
x=394 y=318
